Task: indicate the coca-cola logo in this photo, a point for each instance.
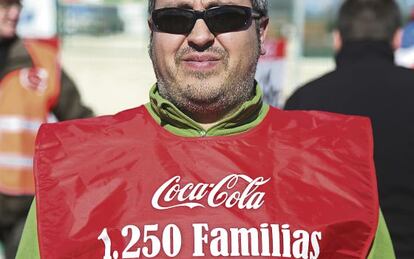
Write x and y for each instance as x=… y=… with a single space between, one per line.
x=235 y=190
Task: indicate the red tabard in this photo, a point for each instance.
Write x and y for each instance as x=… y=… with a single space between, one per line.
x=299 y=185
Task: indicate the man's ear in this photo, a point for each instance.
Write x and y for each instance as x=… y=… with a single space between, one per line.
x=337 y=40
x=149 y=24
x=396 y=40
x=264 y=25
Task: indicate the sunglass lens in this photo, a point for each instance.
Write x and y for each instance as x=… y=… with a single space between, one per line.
x=173 y=20
x=228 y=18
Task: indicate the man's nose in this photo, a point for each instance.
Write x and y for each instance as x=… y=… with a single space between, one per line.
x=200 y=38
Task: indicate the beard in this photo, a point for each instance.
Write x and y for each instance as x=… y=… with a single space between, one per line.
x=208 y=96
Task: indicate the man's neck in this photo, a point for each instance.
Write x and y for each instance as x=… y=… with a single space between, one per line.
x=211 y=118
x=207 y=116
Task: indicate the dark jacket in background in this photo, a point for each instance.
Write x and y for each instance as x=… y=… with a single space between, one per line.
x=366 y=82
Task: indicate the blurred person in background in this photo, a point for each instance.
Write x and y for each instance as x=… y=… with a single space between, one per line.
x=271 y=67
x=203 y=153
x=367 y=82
x=31 y=87
x=404 y=55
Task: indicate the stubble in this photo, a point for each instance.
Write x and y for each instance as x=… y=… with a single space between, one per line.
x=200 y=99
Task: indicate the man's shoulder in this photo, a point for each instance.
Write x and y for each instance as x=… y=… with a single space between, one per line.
x=309 y=130
x=323 y=80
x=18 y=50
x=94 y=124
x=404 y=75
x=313 y=119
x=313 y=90
x=18 y=57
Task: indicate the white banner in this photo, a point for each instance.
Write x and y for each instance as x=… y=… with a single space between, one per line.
x=38 y=19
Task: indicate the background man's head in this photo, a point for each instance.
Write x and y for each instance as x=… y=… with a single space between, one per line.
x=9 y=16
x=203 y=72
x=360 y=20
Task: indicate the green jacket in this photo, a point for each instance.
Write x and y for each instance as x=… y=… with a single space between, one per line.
x=168 y=116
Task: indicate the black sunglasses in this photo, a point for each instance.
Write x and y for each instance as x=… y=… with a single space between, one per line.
x=219 y=19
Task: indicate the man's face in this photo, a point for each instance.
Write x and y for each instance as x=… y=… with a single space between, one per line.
x=203 y=72
x=9 y=16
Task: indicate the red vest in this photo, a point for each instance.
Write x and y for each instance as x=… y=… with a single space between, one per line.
x=26 y=97
x=299 y=185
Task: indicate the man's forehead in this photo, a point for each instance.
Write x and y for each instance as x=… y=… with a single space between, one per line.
x=205 y=3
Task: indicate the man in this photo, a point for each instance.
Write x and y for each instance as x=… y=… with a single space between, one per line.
x=29 y=90
x=206 y=169
x=366 y=82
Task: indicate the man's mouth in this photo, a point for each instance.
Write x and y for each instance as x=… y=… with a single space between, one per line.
x=201 y=62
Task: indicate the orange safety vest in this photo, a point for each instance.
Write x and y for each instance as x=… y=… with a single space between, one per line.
x=299 y=185
x=26 y=96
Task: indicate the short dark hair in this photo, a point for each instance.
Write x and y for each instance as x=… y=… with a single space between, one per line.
x=260 y=6
x=368 y=20
x=10 y=2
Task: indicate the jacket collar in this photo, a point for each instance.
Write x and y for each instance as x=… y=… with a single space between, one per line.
x=175 y=121
x=365 y=52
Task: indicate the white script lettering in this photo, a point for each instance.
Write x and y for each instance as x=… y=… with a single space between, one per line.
x=225 y=193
